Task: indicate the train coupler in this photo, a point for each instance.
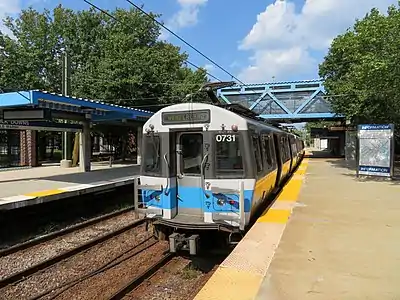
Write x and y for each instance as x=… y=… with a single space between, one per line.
x=179 y=241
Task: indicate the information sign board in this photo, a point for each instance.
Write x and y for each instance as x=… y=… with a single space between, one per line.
x=375 y=150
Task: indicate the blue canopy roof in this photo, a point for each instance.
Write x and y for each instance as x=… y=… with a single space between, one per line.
x=99 y=111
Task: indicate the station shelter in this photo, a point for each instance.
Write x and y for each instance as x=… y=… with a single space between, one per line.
x=24 y=113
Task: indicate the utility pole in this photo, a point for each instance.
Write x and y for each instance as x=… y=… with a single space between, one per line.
x=66 y=91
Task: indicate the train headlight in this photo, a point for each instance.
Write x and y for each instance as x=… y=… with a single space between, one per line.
x=234 y=128
x=221 y=202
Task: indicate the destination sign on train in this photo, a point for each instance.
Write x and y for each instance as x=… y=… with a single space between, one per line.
x=184 y=117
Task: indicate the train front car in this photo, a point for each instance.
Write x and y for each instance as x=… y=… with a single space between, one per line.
x=196 y=172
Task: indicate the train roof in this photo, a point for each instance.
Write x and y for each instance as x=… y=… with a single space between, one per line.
x=251 y=116
x=241 y=113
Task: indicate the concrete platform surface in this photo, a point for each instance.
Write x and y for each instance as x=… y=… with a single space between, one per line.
x=18 y=186
x=342 y=242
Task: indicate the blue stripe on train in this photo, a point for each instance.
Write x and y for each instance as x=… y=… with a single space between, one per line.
x=194 y=198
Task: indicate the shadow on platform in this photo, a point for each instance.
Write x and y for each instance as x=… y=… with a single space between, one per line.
x=351 y=166
x=321 y=154
x=340 y=162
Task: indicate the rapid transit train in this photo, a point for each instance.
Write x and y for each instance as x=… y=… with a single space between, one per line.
x=210 y=167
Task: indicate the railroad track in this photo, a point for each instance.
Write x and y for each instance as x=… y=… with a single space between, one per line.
x=50 y=236
x=27 y=258
x=13 y=278
x=52 y=278
x=136 y=281
x=116 y=265
x=172 y=277
x=54 y=293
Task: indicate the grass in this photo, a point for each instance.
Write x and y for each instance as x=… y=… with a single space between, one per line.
x=190 y=272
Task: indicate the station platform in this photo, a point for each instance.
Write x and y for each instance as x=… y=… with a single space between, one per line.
x=328 y=235
x=24 y=187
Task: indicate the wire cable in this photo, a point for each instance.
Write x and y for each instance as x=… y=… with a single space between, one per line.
x=119 y=21
x=191 y=46
x=185 y=42
x=180 y=83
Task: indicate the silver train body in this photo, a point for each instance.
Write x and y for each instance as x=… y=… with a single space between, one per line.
x=205 y=167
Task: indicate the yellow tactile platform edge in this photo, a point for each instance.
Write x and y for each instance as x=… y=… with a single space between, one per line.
x=239 y=277
x=45 y=193
x=74 y=188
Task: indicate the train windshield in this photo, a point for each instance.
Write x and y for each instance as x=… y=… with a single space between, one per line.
x=228 y=156
x=152 y=154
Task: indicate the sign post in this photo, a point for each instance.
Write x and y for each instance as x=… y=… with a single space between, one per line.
x=375 y=150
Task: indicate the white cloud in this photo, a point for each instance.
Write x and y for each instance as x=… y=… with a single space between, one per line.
x=209 y=67
x=273 y=64
x=8 y=7
x=282 y=39
x=186 y=16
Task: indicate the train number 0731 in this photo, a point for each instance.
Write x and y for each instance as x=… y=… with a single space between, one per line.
x=225 y=138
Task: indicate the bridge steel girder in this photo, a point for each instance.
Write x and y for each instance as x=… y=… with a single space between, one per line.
x=304 y=99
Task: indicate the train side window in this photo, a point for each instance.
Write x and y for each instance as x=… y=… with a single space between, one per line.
x=229 y=160
x=288 y=150
x=257 y=153
x=267 y=150
x=283 y=149
x=287 y=146
x=152 y=154
x=295 y=150
x=293 y=146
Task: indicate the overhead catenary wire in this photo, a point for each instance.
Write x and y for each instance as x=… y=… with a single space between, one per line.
x=119 y=21
x=178 y=83
x=191 y=46
x=185 y=42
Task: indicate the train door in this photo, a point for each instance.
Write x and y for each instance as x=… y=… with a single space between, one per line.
x=190 y=174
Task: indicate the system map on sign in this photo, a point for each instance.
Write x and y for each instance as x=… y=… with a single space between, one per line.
x=375 y=148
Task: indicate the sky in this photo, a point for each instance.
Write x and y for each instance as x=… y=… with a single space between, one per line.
x=255 y=40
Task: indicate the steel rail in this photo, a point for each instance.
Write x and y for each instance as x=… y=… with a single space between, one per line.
x=53 y=235
x=40 y=266
x=135 y=282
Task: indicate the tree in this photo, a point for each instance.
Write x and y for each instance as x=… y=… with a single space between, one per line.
x=116 y=59
x=362 y=69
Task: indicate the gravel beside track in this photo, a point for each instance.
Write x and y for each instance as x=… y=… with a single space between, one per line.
x=75 y=266
x=105 y=284
x=178 y=280
x=23 y=259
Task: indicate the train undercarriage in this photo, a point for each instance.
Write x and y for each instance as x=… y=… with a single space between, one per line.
x=194 y=238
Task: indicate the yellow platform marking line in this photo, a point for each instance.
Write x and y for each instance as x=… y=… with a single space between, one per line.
x=45 y=193
x=289 y=193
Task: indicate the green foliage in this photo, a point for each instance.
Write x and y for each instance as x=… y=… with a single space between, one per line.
x=320 y=124
x=362 y=69
x=122 y=62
